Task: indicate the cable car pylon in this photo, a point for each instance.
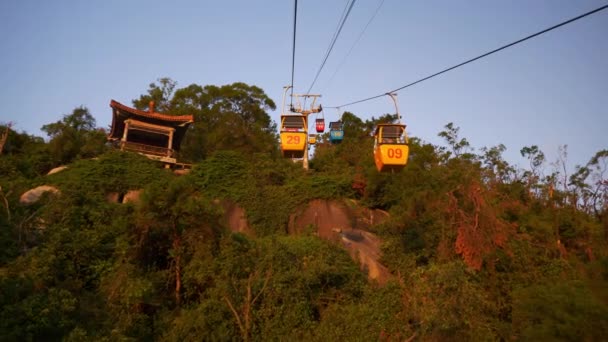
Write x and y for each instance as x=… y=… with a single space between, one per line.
x=294 y=125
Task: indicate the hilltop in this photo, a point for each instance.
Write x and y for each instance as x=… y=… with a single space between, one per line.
x=249 y=246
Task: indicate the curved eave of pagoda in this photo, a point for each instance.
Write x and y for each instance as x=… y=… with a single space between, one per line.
x=121 y=113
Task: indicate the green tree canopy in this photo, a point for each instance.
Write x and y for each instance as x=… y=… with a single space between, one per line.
x=75 y=136
x=228 y=117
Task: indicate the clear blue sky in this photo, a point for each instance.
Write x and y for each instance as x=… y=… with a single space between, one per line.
x=549 y=91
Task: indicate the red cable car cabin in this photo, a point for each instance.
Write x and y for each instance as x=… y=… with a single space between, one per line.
x=320 y=125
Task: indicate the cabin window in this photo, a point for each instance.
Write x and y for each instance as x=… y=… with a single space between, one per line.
x=293 y=123
x=392 y=135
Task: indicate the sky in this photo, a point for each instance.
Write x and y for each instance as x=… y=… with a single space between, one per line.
x=548 y=91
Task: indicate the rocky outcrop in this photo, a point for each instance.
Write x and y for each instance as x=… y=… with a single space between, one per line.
x=364 y=247
x=32 y=196
x=132 y=196
x=328 y=217
x=113 y=197
x=365 y=217
x=57 y=169
x=343 y=222
x=235 y=218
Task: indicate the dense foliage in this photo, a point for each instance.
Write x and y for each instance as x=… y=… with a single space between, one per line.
x=477 y=248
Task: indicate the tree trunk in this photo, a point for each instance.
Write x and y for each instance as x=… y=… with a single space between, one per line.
x=178 y=277
x=177 y=242
x=248 y=303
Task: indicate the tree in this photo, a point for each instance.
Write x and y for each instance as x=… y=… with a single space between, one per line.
x=227 y=117
x=449 y=304
x=75 y=136
x=353 y=126
x=159 y=94
x=590 y=184
x=481 y=231
x=599 y=182
x=24 y=154
x=558 y=311
x=459 y=146
x=498 y=167
x=537 y=159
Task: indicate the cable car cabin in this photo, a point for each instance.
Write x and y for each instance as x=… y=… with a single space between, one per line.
x=312 y=139
x=293 y=136
x=320 y=125
x=336 y=133
x=391 y=148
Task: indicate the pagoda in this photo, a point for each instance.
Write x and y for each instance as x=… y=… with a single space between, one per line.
x=155 y=135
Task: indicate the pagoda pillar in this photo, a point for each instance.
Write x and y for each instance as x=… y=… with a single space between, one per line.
x=170 y=144
x=124 y=136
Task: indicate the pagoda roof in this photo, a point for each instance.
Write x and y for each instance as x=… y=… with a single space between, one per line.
x=122 y=113
x=150 y=114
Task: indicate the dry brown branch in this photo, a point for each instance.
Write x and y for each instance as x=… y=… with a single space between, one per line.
x=236 y=315
x=245 y=322
x=4 y=136
x=263 y=287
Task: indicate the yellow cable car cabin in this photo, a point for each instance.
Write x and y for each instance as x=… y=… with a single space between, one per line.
x=391 y=148
x=294 y=134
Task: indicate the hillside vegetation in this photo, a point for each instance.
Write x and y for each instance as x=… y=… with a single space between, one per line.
x=476 y=248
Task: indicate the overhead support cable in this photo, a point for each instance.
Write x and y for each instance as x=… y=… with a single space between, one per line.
x=333 y=42
x=333 y=37
x=293 y=52
x=478 y=57
x=357 y=40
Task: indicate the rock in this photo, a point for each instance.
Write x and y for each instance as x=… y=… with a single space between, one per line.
x=344 y=223
x=365 y=247
x=33 y=195
x=113 y=197
x=132 y=196
x=57 y=169
x=328 y=217
x=235 y=218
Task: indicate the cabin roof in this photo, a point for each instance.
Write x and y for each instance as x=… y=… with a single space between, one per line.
x=335 y=125
x=377 y=129
x=292 y=121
